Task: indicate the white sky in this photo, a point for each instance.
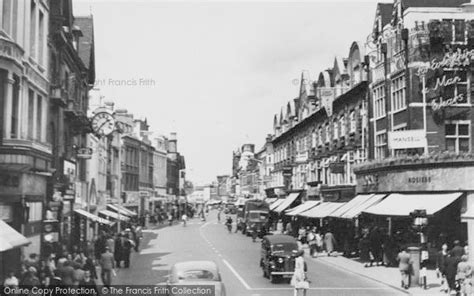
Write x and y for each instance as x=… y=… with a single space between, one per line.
x=221 y=70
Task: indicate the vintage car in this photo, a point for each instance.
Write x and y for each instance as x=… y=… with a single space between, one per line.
x=277 y=256
x=202 y=273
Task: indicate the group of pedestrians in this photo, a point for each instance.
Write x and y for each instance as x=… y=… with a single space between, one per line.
x=77 y=268
x=454 y=270
x=66 y=270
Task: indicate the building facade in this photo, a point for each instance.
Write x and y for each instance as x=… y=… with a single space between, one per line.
x=320 y=135
x=25 y=148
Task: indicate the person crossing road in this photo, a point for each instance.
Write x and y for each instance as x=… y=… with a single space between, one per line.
x=228 y=223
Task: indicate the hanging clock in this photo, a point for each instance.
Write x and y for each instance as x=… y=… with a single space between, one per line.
x=103 y=123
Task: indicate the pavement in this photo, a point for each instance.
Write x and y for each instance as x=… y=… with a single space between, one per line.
x=389 y=276
x=238 y=260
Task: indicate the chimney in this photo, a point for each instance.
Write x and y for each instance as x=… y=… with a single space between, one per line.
x=173 y=143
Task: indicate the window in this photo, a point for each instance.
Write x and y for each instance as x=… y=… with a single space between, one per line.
x=33 y=29
x=39 y=118
x=342 y=124
x=379 y=101
x=35 y=211
x=7 y=15
x=314 y=139
x=353 y=122
x=380 y=145
x=335 y=130
x=31 y=108
x=41 y=39
x=15 y=108
x=320 y=136
x=458 y=136
x=328 y=133
x=398 y=94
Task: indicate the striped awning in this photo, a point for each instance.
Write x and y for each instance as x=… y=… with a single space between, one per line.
x=121 y=210
x=10 y=238
x=302 y=207
x=93 y=217
x=114 y=215
x=322 y=210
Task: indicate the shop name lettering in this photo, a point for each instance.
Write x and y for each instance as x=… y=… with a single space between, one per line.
x=419 y=180
x=457 y=59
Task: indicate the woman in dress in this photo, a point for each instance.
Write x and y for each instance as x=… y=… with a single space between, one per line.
x=299 y=280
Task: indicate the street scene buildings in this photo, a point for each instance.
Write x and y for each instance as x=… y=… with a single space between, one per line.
x=365 y=175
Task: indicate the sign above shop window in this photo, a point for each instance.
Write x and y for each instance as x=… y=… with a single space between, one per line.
x=406 y=139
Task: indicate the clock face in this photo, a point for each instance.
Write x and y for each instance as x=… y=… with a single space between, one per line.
x=103 y=123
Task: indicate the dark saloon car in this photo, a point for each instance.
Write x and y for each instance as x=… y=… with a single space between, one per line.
x=277 y=257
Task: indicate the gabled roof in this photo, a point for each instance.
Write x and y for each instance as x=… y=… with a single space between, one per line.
x=86 y=44
x=384 y=12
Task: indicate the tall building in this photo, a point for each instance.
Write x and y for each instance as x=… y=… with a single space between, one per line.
x=421 y=117
x=25 y=146
x=72 y=75
x=175 y=167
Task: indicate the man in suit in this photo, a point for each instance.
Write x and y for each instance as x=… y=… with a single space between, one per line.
x=404 y=264
x=457 y=251
x=107 y=264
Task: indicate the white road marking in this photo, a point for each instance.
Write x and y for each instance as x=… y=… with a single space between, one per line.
x=237 y=275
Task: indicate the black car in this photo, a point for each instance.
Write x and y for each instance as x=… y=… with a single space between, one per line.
x=277 y=256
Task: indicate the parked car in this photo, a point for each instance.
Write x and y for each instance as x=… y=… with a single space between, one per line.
x=277 y=256
x=196 y=273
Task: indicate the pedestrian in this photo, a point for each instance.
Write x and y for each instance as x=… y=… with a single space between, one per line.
x=219 y=215
x=118 y=250
x=464 y=274
x=31 y=280
x=107 y=264
x=311 y=238
x=375 y=239
x=329 y=242
x=451 y=269
x=319 y=241
x=67 y=274
x=184 y=218
x=404 y=265
x=88 y=283
x=457 y=250
x=279 y=227
x=45 y=273
x=299 y=280
x=90 y=266
x=440 y=267
x=78 y=274
x=11 y=281
x=170 y=219
x=127 y=246
x=110 y=243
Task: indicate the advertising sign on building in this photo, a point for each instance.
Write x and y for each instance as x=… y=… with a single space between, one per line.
x=406 y=139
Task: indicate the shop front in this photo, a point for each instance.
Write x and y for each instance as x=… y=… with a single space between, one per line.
x=443 y=189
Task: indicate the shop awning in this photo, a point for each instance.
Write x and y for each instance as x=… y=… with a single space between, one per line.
x=287 y=202
x=270 y=200
x=93 y=217
x=357 y=210
x=302 y=207
x=397 y=204
x=10 y=238
x=114 y=215
x=355 y=206
x=120 y=210
x=275 y=204
x=322 y=210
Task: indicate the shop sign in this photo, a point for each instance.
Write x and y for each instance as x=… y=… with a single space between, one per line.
x=460 y=60
x=419 y=180
x=84 y=153
x=406 y=139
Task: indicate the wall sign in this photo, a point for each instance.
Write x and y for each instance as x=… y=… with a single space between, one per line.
x=406 y=139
